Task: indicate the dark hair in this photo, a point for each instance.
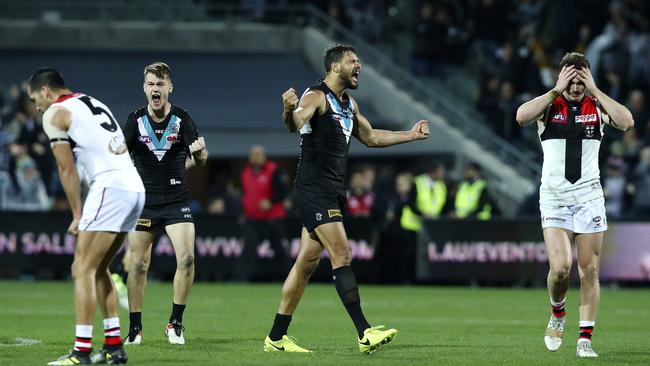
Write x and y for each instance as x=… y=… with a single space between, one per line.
x=574 y=59
x=475 y=166
x=159 y=69
x=46 y=76
x=335 y=54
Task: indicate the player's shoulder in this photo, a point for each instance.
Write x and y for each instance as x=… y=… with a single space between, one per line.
x=180 y=112
x=137 y=113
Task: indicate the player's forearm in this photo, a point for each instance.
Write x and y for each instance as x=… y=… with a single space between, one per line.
x=531 y=110
x=289 y=120
x=620 y=116
x=383 y=138
x=71 y=187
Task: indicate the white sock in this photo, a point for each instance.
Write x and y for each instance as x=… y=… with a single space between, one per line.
x=112 y=327
x=84 y=335
x=557 y=303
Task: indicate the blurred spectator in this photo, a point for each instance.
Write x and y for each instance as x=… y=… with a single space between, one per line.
x=32 y=195
x=640 y=186
x=264 y=191
x=614 y=184
x=639 y=109
x=396 y=252
x=427 y=198
x=472 y=197
x=224 y=201
x=360 y=197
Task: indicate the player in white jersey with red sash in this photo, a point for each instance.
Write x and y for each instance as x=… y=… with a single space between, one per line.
x=570 y=126
x=81 y=125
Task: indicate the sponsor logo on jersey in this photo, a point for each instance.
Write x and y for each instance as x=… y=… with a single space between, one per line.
x=319 y=216
x=553 y=219
x=174 y=181
x=144 y=222
x=587 y=118
x=598 y=219
x=186 y=209
x=172 y=138
x=144 y=139
x=334 y=213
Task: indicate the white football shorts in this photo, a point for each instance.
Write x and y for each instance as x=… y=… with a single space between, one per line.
x=583 y=218
x=111 y=209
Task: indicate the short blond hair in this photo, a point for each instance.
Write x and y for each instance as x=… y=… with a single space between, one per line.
x=159 y=69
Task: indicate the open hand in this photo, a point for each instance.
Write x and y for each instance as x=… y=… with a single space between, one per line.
x=584 y=75
x=564 y=78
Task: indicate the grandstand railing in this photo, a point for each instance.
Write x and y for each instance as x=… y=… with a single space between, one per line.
x=456 y=112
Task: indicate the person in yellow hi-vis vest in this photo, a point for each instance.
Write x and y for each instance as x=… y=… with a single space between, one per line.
x=472 y=197
x=427 y=198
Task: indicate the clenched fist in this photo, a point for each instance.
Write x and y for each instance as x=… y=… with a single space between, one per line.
x=420 y=130
x=290 y=99
x=197 y=145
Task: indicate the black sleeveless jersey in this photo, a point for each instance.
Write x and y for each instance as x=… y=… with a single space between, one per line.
x=324 y=145
x=159 y=151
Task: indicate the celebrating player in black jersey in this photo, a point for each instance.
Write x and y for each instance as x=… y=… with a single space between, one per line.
x=326 y=118
x=163 y=141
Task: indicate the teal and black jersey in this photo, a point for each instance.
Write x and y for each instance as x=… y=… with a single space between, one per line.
x=324 y=145
x=159 y=151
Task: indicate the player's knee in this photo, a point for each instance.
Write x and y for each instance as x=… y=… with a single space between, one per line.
x=185 y=262
x=139 y=266
x=79 y=268
x=561 y=272
x=589 y=273
x=343 y=258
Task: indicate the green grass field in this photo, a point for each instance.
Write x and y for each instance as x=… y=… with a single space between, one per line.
x=437 y=326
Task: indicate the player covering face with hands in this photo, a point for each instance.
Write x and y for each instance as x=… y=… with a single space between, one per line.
x=571 y=126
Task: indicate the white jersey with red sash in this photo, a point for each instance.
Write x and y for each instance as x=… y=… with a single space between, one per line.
x=570 y=134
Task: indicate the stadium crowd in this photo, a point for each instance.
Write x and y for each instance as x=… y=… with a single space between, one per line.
x=511 y=48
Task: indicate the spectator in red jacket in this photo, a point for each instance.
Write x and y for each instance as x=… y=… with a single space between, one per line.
x=264 y=189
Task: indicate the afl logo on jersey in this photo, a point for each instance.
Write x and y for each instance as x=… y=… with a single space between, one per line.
x=558 y=118
x=144 y=139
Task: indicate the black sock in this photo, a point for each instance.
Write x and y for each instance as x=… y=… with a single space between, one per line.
x=177 y=313
x=346 y=286
x=135 y=320
x=280 y=326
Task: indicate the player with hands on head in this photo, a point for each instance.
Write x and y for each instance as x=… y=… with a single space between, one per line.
x=570 y=125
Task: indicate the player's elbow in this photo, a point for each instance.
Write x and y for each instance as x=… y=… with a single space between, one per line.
x=66 y=170
x=521 y=118
x=628 y=122
x=371 y=141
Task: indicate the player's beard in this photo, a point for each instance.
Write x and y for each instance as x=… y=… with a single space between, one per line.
x=349 y=84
